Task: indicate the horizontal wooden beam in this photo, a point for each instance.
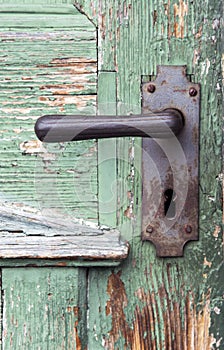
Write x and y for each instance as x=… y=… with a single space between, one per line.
x=107 y=249
x=46 y=240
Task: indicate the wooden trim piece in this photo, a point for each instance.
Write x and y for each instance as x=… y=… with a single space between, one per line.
x=49 y=240
x=51 y=7
x=104 y=247
x=107 y=154
x=88 y=10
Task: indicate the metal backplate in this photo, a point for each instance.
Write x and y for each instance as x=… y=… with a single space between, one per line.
x=170 y=166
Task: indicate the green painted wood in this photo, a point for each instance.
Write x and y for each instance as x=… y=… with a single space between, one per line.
x=48 y=66
x=107 y=163
x=64 y=5
x=57 y=243
x=151 y=303
x=50 y=195
x=44 y=309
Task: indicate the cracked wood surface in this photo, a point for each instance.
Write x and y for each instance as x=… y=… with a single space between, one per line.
x=150 y=303
x=106 y=248
x=48 y=55
x=48 y=66
x=147 y=303
x=47 y=309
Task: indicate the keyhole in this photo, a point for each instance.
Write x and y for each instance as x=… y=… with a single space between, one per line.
x=169 y=204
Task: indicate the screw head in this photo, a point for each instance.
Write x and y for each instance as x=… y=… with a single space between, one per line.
x=151 y=88
x=188 y=229
x=193 y=92
x=149 y=229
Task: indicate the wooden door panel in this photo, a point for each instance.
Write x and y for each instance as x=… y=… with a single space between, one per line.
x=48 y=66
x=43 y=308
x=147 y=302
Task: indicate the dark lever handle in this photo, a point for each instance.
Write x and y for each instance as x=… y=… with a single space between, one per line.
x=61 y=128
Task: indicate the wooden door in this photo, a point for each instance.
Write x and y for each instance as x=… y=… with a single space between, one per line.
x=145 y=302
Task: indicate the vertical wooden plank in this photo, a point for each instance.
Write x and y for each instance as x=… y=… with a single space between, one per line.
x=150 y=303
x=1 y=312
x=107 y=164
x=44 y=309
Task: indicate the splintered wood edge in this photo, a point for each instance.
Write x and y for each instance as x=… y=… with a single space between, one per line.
x=33 y=239
x=105 y=249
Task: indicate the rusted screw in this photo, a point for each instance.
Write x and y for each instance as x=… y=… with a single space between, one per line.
x=151 y=88
x=193 y=92
x=188 y=229
x=149 y=229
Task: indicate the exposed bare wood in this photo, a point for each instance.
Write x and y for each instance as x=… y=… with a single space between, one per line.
x=107 y=246
x=193 y=334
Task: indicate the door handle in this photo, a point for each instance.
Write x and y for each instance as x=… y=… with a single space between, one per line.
x=170 y=107
x=62 y=128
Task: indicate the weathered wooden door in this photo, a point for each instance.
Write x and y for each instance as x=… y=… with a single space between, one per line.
x=60 y=291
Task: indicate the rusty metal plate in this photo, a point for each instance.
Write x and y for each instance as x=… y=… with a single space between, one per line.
x=170 y=166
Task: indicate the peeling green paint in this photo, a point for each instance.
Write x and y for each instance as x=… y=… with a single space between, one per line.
x=134 y=37
x=43 y=310
x=48 y=66
x=146 y=303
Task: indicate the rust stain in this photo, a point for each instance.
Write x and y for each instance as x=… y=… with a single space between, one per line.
x=77 y=338
x=180 y=11
x=179 y=328
x=78 y=341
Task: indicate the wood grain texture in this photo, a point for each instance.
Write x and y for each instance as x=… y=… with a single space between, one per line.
x=102 y=246
x=107 y=152
x=48 y=65
x=44 y=309
x=151 y=303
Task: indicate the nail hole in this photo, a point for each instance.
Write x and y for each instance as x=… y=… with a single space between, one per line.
x=169 y=204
